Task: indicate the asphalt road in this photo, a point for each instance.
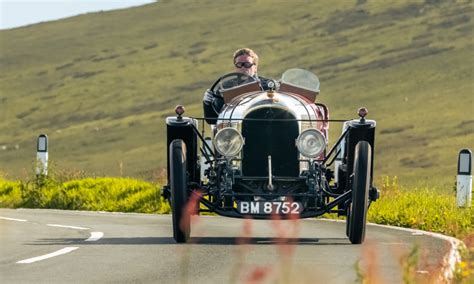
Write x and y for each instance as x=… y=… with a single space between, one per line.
x=53 y=246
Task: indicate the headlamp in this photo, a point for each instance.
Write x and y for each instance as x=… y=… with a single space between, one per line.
x=311 y=143
x=228 y=142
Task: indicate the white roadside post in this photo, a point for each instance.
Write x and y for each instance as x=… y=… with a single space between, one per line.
x=42 y=155
x=464 y=179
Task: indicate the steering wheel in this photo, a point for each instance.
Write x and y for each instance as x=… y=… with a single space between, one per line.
x=231 y=80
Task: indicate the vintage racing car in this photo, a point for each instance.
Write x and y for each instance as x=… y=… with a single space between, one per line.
x=268 y=156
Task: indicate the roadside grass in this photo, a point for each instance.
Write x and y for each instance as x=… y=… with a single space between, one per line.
x=426 y=209
x=420 y=208
x=93 y=194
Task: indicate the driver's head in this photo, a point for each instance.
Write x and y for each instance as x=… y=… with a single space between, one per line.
x=246 y=61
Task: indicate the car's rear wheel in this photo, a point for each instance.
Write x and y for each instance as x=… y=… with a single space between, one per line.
x=357 y=216
x=179 y=191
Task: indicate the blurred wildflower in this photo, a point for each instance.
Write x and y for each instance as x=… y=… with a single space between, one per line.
x=191 y=208
x=258 y=275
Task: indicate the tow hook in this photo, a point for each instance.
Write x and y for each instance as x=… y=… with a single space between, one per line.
x=374 y=194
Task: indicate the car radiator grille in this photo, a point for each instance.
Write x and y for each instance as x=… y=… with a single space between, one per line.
x=275 y=138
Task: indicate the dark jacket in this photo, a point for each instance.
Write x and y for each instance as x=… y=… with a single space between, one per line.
x=213 y=101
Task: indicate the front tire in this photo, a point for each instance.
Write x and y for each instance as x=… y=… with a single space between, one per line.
x=357 y=216
x=179 y=191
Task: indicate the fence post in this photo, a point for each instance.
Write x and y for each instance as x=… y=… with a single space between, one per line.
x=464 y=179
x=42 y=155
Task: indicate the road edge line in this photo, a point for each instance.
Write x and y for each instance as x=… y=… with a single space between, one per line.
x=450 y=259
x=46 y=256
x=95 y=236
x=67 y=227
x=13 y=219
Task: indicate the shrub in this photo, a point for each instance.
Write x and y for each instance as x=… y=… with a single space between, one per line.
x=10 y=193
x=96 y=194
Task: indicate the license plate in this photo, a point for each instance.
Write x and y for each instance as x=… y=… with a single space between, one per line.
x=269 y=207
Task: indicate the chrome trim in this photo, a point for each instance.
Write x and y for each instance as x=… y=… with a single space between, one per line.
x=270 y=183
x=242 y=105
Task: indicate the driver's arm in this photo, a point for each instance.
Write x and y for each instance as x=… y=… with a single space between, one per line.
x=212 y=104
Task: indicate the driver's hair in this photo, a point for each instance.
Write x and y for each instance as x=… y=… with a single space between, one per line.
x=246 y=51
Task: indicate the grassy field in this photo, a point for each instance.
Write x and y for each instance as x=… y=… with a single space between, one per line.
x=100 y=85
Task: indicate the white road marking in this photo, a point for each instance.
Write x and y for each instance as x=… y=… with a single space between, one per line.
x=68 y=227
x=95 y=236
x=13 y=219
x=49 y=255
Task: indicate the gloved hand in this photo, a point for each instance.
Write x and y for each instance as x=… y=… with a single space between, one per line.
x=212 y=100
x=208 y=97
x=212 y=104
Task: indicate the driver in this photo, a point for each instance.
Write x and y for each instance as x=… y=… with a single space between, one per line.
x=245 y=62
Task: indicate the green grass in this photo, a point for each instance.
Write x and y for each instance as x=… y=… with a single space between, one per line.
x=100 y=85
x=10 y=194
x=93 y=194
x=421 y=208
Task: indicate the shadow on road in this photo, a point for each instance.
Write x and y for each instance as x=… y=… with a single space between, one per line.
x=195 y=240
x=266 y=241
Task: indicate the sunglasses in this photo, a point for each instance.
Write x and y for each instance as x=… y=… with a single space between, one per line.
x=244 y=64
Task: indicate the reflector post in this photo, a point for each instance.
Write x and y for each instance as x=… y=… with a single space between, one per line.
x=464 y=179
x=42 y=155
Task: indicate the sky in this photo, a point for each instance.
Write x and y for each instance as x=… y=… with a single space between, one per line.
x=17 y=13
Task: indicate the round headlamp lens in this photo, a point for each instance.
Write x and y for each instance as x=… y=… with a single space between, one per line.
x=228 y=142
x=311 y=143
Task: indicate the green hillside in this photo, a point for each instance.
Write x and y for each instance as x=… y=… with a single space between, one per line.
x=100 y=85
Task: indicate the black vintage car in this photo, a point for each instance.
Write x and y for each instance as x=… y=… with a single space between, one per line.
x=268 y=156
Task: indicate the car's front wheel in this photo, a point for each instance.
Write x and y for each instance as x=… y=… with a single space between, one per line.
x=179 y=191
x=357 y=215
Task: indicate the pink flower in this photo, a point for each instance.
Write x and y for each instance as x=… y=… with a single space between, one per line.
x=191 y=208
x=258 y=274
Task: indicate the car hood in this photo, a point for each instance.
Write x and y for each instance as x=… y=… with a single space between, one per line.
x=298 y=106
